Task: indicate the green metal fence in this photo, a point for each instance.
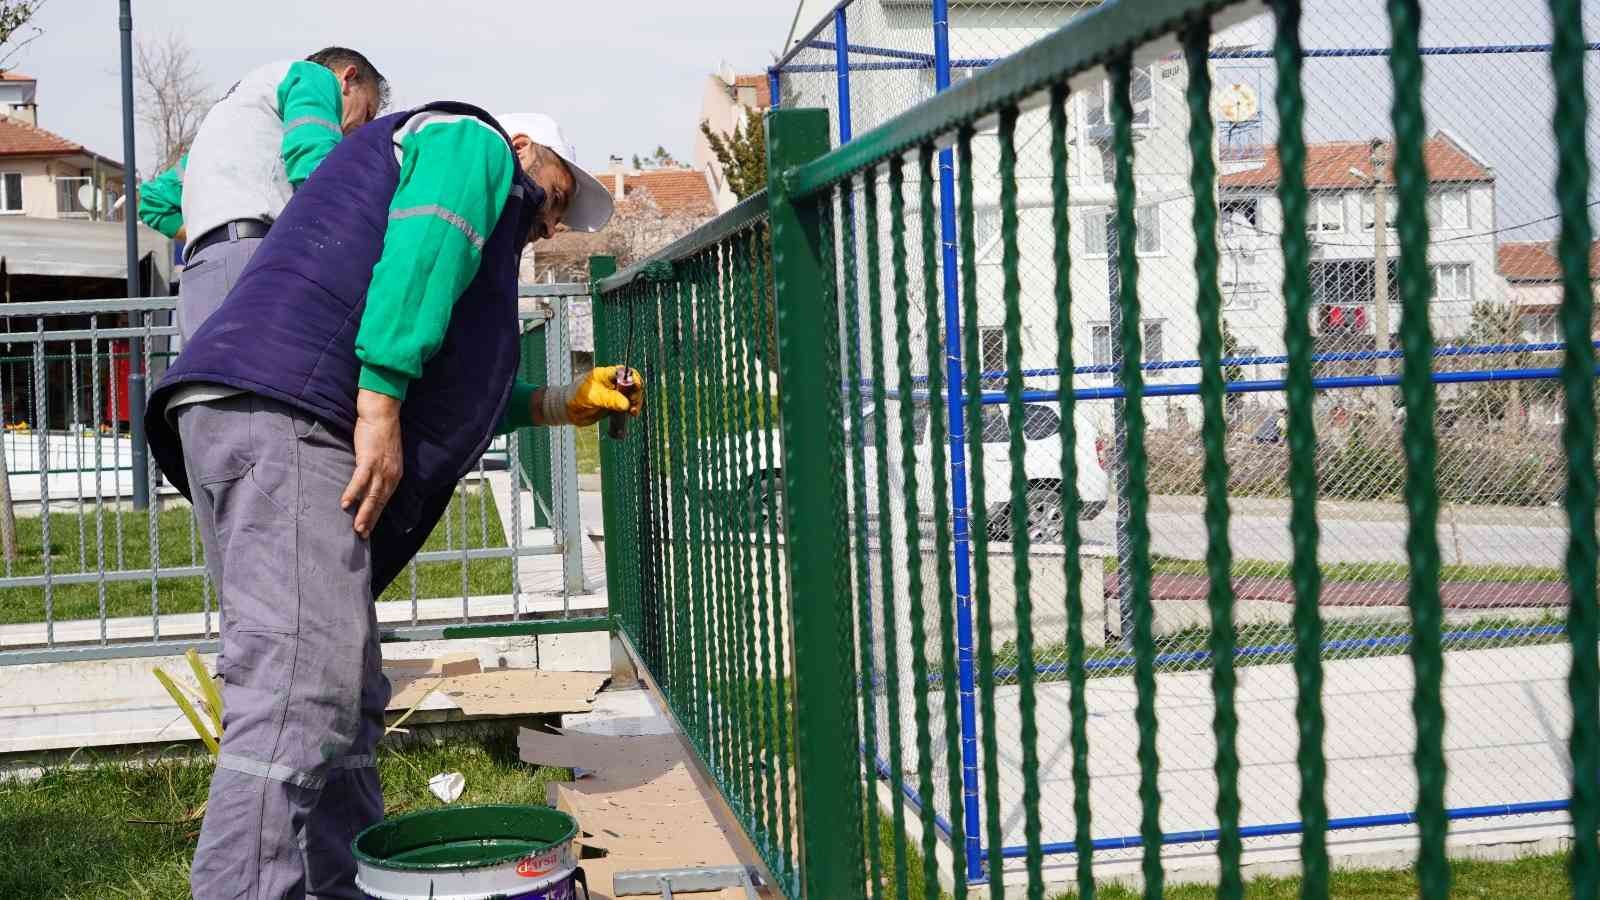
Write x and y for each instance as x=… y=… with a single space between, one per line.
x=788 y=636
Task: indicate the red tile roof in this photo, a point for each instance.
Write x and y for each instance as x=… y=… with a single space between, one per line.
x=11 y=75
x=674 y=190
x=1536 y=261
x=761 y=84
x=1328 y=166
x=18 y=138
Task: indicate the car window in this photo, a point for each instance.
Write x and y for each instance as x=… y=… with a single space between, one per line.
x=1039 y=422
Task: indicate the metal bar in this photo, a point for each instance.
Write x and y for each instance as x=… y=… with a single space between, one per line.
x=82 y=334
x=1220 y=598
x=41 y=416
x=888 y=564
x=978 y=509
x=1302 y=474
x=568 y=289
x=962 y=708
x=712 y=878
x=1070 y=54
x=1570 y=126
x=566 y=478
x=830 y=789
x=131 y=304
x=1287 y=828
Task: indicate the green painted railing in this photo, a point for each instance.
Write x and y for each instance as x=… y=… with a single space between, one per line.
x=783 y=633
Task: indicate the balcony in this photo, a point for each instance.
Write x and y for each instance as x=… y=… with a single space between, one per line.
x=77 y=198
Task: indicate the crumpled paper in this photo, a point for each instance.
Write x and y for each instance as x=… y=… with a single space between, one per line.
x=447 y=786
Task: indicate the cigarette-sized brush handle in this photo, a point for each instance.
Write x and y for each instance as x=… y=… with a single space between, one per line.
x=617 y=425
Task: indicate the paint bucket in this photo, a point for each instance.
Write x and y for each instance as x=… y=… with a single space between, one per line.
x=471 y=853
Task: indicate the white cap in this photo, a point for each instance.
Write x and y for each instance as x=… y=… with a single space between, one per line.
x=591 y=204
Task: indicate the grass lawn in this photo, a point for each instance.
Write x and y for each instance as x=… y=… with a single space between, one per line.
x=589 y=450
x=118 y=829
x=180 y=595
x=1373 y=571
x=72 y=834
x=1533 y=878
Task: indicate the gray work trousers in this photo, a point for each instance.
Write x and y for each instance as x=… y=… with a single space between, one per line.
x=303 y=687
x=208 y=276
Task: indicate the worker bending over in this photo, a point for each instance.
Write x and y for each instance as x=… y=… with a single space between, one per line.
x=320 y=421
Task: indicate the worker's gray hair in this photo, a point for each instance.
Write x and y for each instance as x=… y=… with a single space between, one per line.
x=333 y=58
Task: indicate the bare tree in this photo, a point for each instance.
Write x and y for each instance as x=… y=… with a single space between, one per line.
x=640 y=227
x=173 y=97
x=16 y=28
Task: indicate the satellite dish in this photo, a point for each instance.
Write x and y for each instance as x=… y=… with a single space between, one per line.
x=1238 y=102
x=86 y=195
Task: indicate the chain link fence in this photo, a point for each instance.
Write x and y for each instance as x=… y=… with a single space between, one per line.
x=1492 y=216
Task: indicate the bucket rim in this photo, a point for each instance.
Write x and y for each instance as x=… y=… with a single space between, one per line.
x=366 y=858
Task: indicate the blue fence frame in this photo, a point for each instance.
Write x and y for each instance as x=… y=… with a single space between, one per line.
x=940 y=61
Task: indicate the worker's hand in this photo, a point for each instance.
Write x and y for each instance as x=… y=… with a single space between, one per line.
x=182 y=235
x=379 y=463
x=592 y=399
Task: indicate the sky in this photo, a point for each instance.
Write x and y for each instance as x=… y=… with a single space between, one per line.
x=621 y=76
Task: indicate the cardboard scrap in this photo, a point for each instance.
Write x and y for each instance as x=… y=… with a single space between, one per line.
x=497 y=692
x=641 y=806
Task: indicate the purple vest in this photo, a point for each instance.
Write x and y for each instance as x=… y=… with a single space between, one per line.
x=287 y=331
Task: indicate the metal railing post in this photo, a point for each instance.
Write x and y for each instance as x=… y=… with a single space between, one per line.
x=960 y=513
x=613 y=498
x=564 y=455
x=141 y=462
x=816 y=551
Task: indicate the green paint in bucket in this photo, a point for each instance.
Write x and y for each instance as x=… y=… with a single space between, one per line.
x=471 y=853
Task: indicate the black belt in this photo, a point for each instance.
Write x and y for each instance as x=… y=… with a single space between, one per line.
x=238 y=229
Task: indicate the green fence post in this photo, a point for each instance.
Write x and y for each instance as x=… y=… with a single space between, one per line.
x=826 y=733
x=614 y=497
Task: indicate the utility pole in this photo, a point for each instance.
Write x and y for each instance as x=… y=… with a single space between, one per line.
x=1380 y=283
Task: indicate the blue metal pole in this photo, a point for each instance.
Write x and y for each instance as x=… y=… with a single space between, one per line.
x=774 y=84
x=958 y=457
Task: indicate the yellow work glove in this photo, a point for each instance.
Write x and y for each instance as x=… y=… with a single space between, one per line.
x=592 y=399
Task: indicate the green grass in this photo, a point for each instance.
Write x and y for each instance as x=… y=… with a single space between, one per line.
x=69 y=834
x=182 y=595
x=1367 y=571
x=589 y=451
x=1531 y=878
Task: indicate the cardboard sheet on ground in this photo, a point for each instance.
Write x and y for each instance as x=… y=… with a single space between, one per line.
x=640 y=804
x=495 y=692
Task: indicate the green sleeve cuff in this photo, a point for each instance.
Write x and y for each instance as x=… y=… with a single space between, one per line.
x=384 y=381
x=519 y=409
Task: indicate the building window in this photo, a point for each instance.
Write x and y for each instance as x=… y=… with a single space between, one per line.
x=1325 y=214
x=1449 y=209
x=985 y=230
x=1146 y=220
x=992 y=347
x=1452 y=282
x=1239 y=275
x=1238 y=215
x=1541 y=328
x=1141 y=91
x=1101 y=340
x=1369 y=212
x=11 y=192
x=1155 y=347
x=1154 y=350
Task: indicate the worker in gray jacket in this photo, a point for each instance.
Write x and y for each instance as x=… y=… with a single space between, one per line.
x=254 y=149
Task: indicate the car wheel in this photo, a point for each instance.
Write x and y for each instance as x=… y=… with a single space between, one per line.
x=1047 y=516
x=766 y=501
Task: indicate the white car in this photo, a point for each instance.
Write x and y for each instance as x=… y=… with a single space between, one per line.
x=1041 y=461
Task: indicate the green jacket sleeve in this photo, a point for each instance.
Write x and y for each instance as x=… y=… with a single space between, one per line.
x=161 y=200
x=308 y=101
x=519 y=409
x=454 y=180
